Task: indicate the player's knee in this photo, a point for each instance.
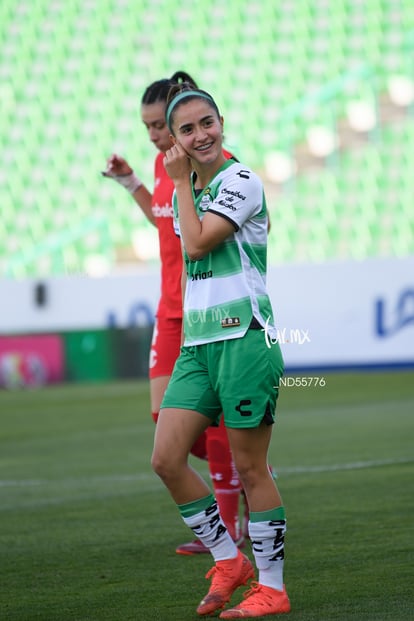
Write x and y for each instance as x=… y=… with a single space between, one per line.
x=166 y=465
x=160 y=464
x=245 y=472
x=250 y=473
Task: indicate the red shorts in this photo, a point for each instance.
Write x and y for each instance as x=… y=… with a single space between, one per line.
x=165 y=346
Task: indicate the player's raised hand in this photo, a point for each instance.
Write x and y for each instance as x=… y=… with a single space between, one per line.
x=116 y=165
x=177 y=163
x=117 y=168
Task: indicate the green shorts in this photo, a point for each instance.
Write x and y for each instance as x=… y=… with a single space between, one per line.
x=239 y=377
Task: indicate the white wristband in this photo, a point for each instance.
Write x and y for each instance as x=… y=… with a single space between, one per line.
x=129 y=182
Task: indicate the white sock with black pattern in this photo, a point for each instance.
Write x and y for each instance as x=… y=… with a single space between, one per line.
x=208 y=526
x=267 y=537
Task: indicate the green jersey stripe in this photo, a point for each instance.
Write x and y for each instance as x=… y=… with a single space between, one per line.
x=227 y=288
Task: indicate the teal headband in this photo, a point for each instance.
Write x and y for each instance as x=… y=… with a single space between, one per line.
x=179 y=97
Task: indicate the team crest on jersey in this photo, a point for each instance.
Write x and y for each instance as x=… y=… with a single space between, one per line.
x=205 y=201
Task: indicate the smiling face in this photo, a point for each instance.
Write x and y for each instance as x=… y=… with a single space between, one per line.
x=199 y=130
x=153 y=117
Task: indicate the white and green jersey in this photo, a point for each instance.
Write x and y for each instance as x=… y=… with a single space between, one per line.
x=227 y=288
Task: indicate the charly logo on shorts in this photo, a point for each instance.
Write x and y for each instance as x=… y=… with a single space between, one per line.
x=241 y=407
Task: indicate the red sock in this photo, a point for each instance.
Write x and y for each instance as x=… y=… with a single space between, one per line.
x=224 y=477
x=199 y=448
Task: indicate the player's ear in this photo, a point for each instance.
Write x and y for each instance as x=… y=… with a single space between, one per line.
x=173 y=139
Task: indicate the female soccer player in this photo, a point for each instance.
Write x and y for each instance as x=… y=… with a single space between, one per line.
x=157 y=206
x=225 y=364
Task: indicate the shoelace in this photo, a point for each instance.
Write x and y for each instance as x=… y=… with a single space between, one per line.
x=254 y=588
x=264 y=600
x=224 y=572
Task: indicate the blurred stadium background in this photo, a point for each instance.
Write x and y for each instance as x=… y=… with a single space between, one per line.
x=318 y=98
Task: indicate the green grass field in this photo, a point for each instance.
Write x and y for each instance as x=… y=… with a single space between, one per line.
x=87 y=532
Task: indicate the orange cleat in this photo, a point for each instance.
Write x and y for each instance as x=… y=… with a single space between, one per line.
x=259 y=601
x=226 y=576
